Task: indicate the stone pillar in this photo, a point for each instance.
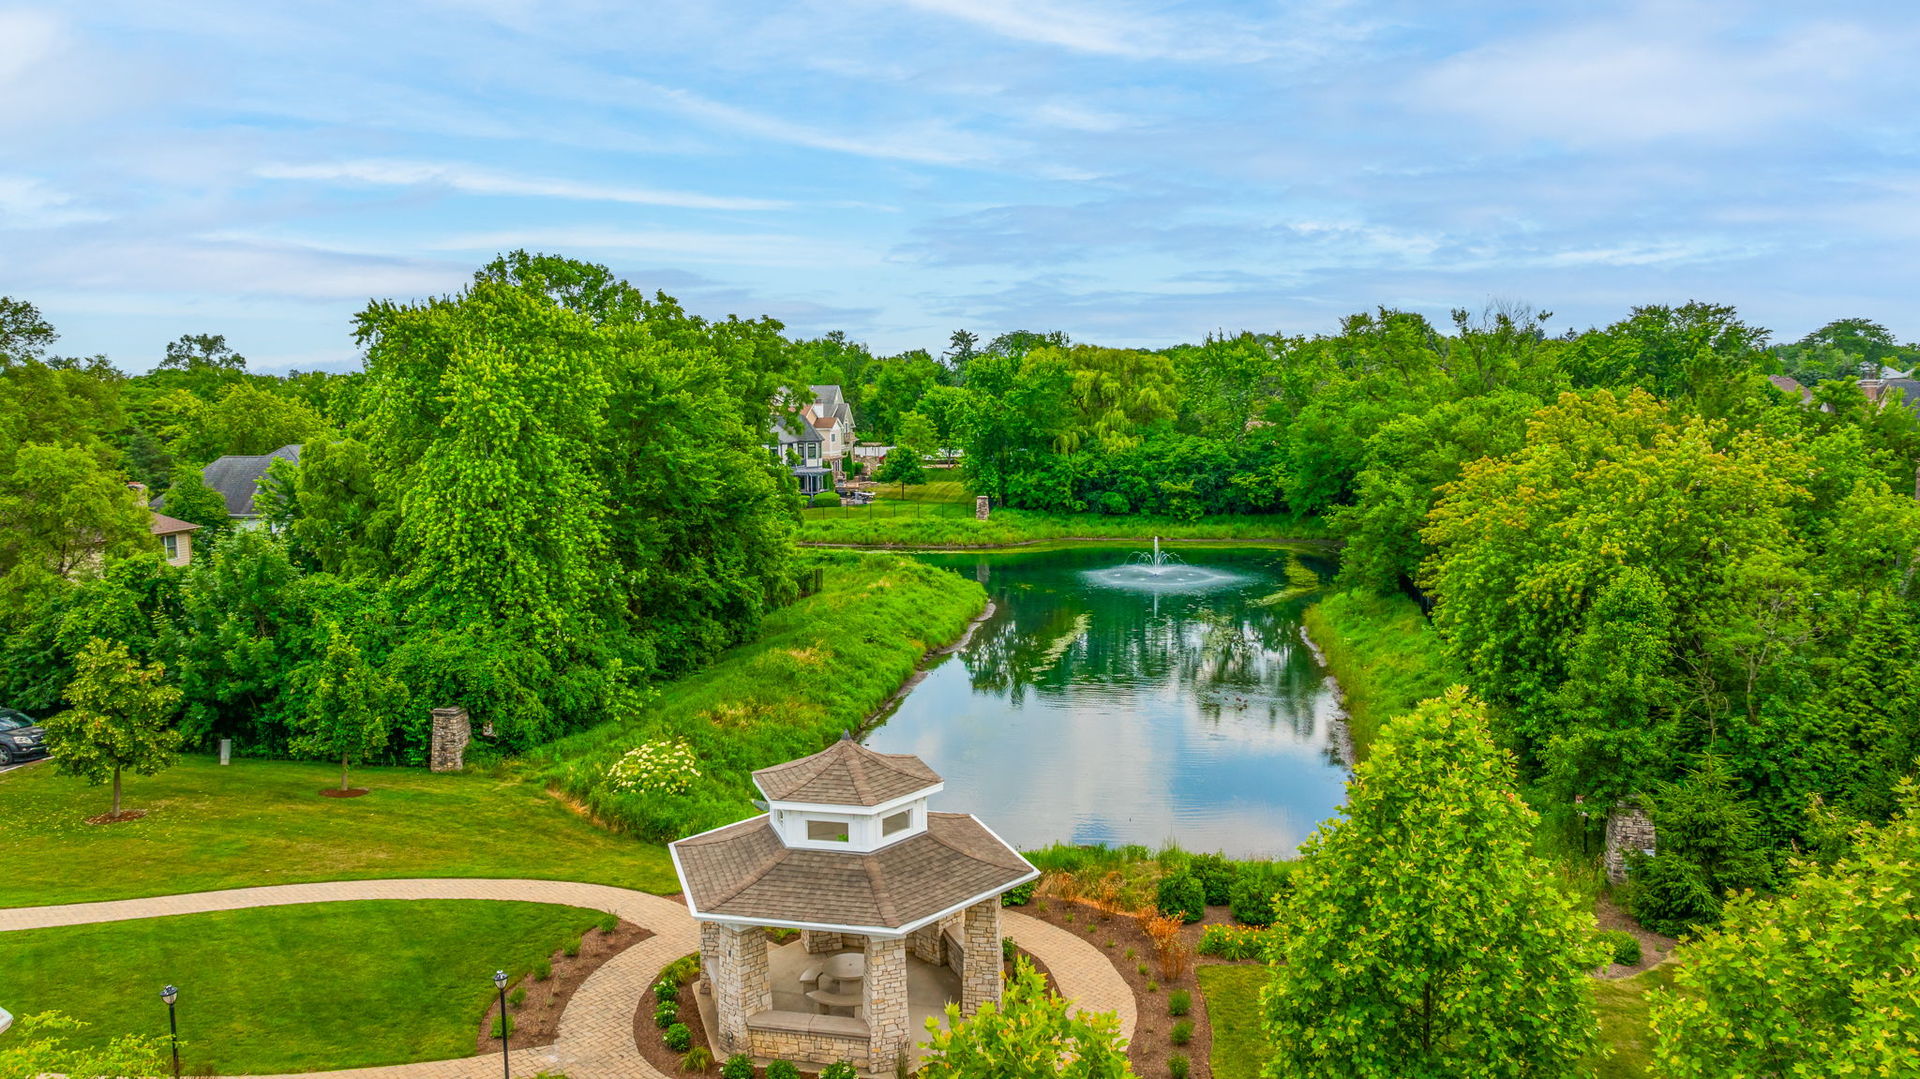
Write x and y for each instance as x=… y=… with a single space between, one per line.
x=924 y=944
x=451 y=733
x=885 y=1007
x=981 y=507
x=816 y=942
x=980 y=972
x=736 y=964
x=1629 y=830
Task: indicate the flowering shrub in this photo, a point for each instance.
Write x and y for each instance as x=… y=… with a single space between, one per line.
x=665 y=767
x=1234 y=941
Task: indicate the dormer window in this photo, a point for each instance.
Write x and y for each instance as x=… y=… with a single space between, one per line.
x=899 y=822
x=827 y=831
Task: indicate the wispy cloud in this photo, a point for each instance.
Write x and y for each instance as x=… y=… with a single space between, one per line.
x=687 y=246
x=30 y=203
x=1112 y=28
x=476 y=181
x=932 y=142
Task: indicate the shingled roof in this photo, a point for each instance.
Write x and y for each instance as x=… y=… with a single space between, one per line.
x=846 y=773
x=744 y=871
x=237 y=477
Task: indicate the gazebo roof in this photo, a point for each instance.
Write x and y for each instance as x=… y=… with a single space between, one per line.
x=743 y=872
x=846 y=773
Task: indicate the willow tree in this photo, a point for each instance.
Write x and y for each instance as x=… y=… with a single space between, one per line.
x=1422 y=938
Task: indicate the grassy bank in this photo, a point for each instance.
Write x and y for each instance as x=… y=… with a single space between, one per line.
x=940 y=514
x=1622 y=1009
x=820 y=667
x=1385 y=655
x=264 y=822
x=1232 y=994
x=290 y=989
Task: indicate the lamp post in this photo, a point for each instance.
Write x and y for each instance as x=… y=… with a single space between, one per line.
x=169 y=994
x=506 y=1064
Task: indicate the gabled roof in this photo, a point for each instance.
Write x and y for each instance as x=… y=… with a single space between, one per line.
x=846 y=773
x=164 y=525
x=743 y=871
x=237 y=478
x=831 y=404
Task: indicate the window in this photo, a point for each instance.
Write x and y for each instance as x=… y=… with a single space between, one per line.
x=172 y=544
x=827 y=831
x=899 y=822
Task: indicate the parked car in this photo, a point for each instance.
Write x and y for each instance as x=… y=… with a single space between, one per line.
x=21 y=739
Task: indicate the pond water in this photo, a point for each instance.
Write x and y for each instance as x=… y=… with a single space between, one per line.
x=1110 y=700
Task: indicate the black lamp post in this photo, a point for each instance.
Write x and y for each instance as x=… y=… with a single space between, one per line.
x=169 y=994
x=506 y=1064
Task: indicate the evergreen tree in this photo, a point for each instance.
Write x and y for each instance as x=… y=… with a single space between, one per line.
x=120 y=719
x=1422 y=938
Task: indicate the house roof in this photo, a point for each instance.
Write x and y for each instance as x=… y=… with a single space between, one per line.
x=743 y=871
x=846 y=773
x=164 y=525
x=237 y=478
x=831 y=404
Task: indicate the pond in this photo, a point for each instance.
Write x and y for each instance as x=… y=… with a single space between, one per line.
x=1111 y=700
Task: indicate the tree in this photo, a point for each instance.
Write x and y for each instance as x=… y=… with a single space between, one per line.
x=1822 y=980
x=64 y=512
x=902 y=466
x=120 y=719
x=202 y=352
x=24 y=335
x=1422 y=938
x=38 y=1047
x=1031 y=1033
x=350 y=704
x=1711 y=844
x=916 y=434
x=190 y=499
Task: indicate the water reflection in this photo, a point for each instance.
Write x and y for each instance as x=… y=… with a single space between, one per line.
x=1092 y=713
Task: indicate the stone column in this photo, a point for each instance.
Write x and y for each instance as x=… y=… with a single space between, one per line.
x=1629 y=830
x=451 y=733
x=886 y=1002
x=981 y=508
x=924 y=944
x=980 y=973
x=736 y=963
x=816 y=942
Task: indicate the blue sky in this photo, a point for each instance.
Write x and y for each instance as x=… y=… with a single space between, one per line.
x=1135 y=173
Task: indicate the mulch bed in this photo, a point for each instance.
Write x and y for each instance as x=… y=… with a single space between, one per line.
x=1654 y=948
x=117 y=818
x=336 y=792
x=647 y=1036
x=1151 y=1046
x=537 y=1020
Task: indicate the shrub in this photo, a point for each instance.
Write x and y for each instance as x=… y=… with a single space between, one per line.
x=1006 y=949
x=677 y=1037
x=517 y=997
x=543 y=970
x=1181 y=895
x=1619 y=945
x=1141 y=969
x=1115 y=503
x=738 y=1066
x=1216 y=877
x=666 y=1013
x=1670 y=894
x=1018 y=897
x=1182 y=1032
x=1152 y=986
x=1254 y=893
x=1234 y=941
x=571 y=947
x=663 y=767
x=1179 y=1002
x=497 y=1021
x=609 y=923
x=841 y=1070
x=668 y=987
x=826 y=500
x=783 y=1069
x=1177 y=1066
x=698 y=1059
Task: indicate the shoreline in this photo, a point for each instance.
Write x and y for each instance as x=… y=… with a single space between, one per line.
x=927 y=662
x=1165 y=541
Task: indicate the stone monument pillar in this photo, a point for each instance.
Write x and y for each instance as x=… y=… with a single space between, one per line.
x=452 y=730
x=981 y=507
x=1629 y=830
x=980 y=972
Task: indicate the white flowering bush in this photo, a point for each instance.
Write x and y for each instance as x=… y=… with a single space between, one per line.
x=665 y=767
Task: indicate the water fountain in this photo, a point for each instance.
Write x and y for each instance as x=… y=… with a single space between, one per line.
x=1160 y=571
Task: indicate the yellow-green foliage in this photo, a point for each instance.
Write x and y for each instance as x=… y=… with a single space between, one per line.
x=1384 y=654
x=819 y=667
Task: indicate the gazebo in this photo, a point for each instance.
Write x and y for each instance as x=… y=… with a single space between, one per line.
x=898 y=910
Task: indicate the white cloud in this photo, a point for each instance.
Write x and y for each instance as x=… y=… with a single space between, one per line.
x=1665 y=72
x=478 y=181
x=724 y=248
x=929 y=144
x=26 y=39
x=30 y=203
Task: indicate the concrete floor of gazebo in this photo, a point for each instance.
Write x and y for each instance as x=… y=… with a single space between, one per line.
x=930 y=989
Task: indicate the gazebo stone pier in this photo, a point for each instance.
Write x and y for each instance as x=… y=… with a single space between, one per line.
x=898 y=910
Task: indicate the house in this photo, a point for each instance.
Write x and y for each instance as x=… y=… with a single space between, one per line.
x=176 y=537
x=1893 y=388
x=833 y=418
x=237 y=479
x=801 y=449
x=816 y=442
x=1791 y=386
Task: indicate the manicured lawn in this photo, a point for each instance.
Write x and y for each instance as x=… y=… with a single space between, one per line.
x=1384 y=653
x=263 y=822
x=1622 y=1008
x=281 y=989
x=1232 y=994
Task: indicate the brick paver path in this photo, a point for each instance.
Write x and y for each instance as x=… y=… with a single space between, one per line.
x=595 y=1040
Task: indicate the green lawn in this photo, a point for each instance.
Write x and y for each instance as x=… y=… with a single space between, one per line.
x=1622 y=1007
x=1232 y=995
x=1386 y=656
x=263 y=822
x=282 y=989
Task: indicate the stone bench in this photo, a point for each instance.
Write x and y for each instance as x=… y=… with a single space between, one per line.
x=804 y=1036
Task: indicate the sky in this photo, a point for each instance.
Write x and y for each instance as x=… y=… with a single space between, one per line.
x=1134 y=173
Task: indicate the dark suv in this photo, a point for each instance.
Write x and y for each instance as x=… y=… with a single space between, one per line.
x=21 y=739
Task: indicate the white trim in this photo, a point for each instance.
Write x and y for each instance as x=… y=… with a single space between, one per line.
x=927 y=791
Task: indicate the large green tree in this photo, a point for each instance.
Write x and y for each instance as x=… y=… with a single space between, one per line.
x=1822 y=980
x=1422 y=937
x=350 y=703
x=190 y=499
x=64 y=512
x=121 y=719
x=1031 y=1033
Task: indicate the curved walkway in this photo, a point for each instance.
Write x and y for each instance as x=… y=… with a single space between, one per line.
x=595 y=1040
